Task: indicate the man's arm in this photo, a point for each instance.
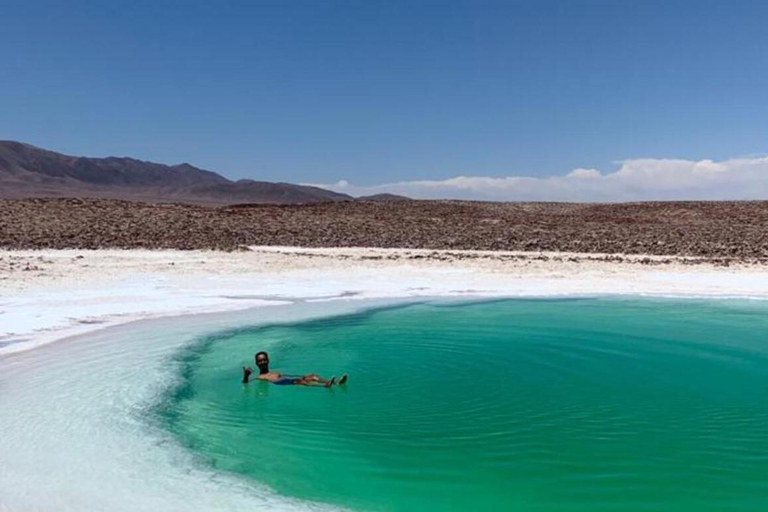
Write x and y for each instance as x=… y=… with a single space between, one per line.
x=247 y=371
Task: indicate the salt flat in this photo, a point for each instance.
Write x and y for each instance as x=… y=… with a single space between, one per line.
x=50 y=294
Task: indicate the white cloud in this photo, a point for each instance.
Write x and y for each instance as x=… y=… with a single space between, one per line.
x=584 y=173
x=635 y=180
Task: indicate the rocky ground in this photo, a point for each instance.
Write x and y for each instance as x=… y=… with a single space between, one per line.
x=720 y=231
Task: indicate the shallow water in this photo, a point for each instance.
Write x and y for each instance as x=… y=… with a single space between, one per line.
x=78 y=430
x=578 y=405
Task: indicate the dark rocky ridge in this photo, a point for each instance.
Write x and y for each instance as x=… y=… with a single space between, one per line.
x=27 y=171
x=717 y=230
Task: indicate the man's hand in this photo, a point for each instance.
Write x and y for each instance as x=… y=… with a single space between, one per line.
x=247 y=371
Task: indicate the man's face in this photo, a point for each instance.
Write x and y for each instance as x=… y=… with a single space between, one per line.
x=262 y=361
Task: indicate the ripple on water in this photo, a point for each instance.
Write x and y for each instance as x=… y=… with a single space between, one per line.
x=534 y=405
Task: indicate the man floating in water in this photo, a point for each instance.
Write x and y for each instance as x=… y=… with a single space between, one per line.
x=262 y=363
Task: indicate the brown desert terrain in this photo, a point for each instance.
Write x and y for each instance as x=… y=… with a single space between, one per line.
x=723 y=231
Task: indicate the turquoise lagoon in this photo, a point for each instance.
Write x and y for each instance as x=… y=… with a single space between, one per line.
x=531 y=405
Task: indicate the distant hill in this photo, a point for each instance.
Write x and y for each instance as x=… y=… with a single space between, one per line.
x=384 y=197
x=27 y=172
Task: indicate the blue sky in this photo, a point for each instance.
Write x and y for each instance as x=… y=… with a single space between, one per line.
x=377 y=92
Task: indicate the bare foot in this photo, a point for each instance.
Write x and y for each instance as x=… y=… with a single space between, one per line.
x=343 y=379
x=331 y=382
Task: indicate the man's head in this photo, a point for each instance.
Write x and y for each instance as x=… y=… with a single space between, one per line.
x=262 y=362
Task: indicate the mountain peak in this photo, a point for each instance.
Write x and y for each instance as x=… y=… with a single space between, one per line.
x=29 y=171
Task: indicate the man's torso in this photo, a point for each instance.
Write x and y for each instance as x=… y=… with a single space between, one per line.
x=271 y=376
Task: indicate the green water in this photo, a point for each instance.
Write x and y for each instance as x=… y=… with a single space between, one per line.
x=531 y=405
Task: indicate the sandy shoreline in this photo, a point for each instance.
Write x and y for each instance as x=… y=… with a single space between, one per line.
x=50 y=294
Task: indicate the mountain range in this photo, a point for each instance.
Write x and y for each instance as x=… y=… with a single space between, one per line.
x=27 y=171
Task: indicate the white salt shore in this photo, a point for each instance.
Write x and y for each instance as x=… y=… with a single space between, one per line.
x=76 y=416
x=52 y=294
